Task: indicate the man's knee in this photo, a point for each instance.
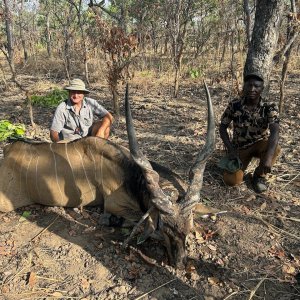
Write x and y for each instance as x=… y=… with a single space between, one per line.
x=232 y=179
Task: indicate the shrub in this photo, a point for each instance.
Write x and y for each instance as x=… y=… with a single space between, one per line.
x=9 y=130
x=51 y=99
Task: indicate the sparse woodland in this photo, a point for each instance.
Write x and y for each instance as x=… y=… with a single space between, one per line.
x=164 y=49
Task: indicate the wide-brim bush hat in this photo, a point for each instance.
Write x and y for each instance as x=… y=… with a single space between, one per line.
x=77 y=85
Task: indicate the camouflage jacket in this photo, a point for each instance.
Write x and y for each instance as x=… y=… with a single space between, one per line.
x=249 y=127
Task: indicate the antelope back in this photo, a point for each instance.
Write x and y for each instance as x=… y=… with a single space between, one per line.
x=80 y=173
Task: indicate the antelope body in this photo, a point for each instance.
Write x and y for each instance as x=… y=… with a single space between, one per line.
x=94 y=171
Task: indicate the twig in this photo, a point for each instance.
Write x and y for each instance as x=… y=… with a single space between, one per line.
x=256 y=288
x=147 y=293
x=50 y=279
x=278 y=229
x=291 y=180
x=43 y=230
x=147 y=259
x=236 y=198
x=232 y=294
x=281 y=217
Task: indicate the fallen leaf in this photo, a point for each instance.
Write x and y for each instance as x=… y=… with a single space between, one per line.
x=263 y=206
x=213 y=217
x=213 y=280
x=209 y=234
x=289 y=269
x=278 y=253
x=73 y=233
x=5 y=219
x=57 y=294
x=250 y=198
x=190 y=268
x=199 y=237
x=5 y=289
x=32 y=279
x=211 y=247
x=8 y=248
x=85 y=285
x=245 y=209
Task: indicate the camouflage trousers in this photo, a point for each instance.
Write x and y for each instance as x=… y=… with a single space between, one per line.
x=257 y=150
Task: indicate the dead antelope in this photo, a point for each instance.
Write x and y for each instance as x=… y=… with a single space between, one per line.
x=94 y=171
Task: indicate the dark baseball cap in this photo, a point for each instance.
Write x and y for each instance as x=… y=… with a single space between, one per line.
x=256 y=75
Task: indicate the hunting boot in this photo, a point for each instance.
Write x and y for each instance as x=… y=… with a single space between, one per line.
x=259 y=184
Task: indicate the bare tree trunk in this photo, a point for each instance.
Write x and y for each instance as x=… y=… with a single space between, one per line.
x=115 y=99
x=23 y=40
x=3 y=78
x=48 y=35
x=247 y=21
x=176 y=81
x=264 y=39
x=67 y=51
x=9 y=36
x=78 y=9
x=290 y=32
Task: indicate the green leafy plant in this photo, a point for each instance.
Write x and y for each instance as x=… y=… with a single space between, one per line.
x=51 y=99
x=9 y=130
x=195 y=73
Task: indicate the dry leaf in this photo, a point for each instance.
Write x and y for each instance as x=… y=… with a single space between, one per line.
x=73 y=232
x=85 y=285
x=5 y=219
x=8 y=248
x=209 y=234
x=57 y=294
x=5 y=289
x=199 y=237
x=211 y=247
x=250 y=198
x=278 y=253
x=190 y=268
x=213 y=280
x=213 y=217
x=32 y=279
x=288 y=269
x=245 y=209
x=263 y=206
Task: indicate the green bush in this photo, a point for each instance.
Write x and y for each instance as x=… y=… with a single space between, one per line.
x=51 y=99
x=9 y=130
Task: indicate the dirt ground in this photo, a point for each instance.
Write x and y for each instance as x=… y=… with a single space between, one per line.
x=251 y=252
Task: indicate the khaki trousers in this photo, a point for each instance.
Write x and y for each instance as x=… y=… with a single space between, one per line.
x=257 y=150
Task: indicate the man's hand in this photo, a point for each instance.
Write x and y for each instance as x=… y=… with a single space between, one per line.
x=54 y=136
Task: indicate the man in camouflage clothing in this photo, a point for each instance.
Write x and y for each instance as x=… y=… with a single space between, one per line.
x=255 y=132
